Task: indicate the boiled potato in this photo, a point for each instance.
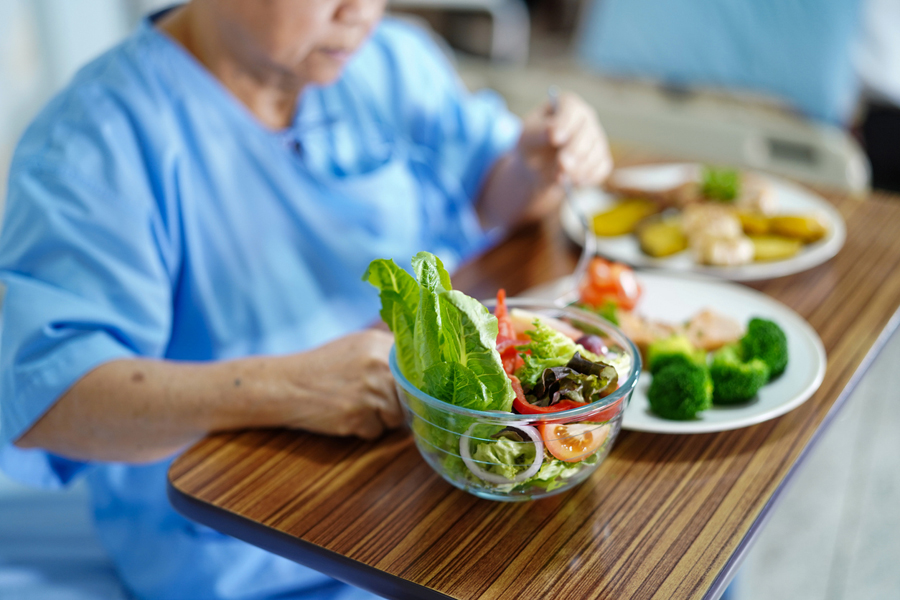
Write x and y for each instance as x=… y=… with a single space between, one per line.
x=806 y=228
x=662 y=237
x=774 y=247
x=623 y=217
x=754 y=223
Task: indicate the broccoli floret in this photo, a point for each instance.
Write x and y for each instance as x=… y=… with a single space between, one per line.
x=680 y=390
x=735 y=380
x=766 y=340
x=676 y=348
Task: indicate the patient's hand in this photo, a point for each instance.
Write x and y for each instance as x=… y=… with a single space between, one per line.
x=556 y=145
x=342 y=388
x=566 y=142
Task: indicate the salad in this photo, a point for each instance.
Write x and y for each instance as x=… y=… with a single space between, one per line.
x=501 y=404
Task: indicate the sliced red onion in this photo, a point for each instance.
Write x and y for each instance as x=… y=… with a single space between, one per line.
x=500 y=479
x=593 y=343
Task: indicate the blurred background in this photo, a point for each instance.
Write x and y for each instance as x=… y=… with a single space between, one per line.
x=804 y=89
x=808 y=89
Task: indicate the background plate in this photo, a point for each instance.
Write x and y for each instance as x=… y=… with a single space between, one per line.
x=791 y=198
x=677 y=297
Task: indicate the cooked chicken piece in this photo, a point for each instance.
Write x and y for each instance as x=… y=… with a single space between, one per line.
x=685 y=195
x=756 y=195
x=710 y=220
x=716 y=236
x=710 y=330
x=643 y=331
x=681 y=195
x=722 y=251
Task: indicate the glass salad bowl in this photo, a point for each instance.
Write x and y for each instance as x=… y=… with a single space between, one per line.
x=516 y=457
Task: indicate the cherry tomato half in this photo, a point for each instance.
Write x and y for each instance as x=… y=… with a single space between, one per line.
x=572 y=442
x=607 y=281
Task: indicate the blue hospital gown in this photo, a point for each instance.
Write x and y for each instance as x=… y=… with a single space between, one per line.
x=149 y=214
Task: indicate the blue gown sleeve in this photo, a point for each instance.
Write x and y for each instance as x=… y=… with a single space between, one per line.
x=86 y=281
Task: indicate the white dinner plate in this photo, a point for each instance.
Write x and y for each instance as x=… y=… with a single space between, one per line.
x=676 y=298
x=791 y=198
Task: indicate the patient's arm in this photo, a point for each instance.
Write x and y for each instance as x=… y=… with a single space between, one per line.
x=144 y=410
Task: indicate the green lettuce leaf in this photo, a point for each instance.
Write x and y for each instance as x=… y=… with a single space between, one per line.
x=396 y=287
x=554 y=473
x=470 y=339
x=446 y=341
x=549 y=348
x=456 y=384
x=399 y=295
x=430 y=272
x=433 y=280
x=504 y=457
x=563 y=383
x=439 y=431
x=452 y=349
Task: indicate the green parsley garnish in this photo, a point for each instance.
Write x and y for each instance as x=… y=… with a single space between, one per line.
x=723 y=185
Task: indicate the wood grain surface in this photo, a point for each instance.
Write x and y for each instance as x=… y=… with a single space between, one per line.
x=663 y=517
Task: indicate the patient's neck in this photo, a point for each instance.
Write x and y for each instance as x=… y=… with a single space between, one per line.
x=268 y=92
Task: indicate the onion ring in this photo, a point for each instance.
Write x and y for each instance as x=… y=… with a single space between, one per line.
x=480 y=473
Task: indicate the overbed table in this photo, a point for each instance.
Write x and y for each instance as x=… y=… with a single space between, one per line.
x=665 y=516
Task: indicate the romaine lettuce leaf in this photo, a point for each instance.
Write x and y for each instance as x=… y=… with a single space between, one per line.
x=470 y=338
x=439 y=431
x=433 y=280
x=400 y=287
x=430 y=272
x=399 y=295
x=446 y=341
x=456 y=384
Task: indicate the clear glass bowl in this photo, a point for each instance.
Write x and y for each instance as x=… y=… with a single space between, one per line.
x=462 y=444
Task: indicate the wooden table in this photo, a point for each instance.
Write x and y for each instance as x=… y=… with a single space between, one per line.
x=665 y=516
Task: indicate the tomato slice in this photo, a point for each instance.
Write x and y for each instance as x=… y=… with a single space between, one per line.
x=607 y=281
x=627 y=288
x=573 y=442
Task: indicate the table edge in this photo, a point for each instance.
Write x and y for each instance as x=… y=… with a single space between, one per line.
x=723 y=579
x=310 y=555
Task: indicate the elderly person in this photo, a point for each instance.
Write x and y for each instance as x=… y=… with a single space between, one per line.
x=186 y=228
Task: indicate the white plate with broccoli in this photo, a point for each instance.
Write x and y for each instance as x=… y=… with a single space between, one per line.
x=675 y=298
x=782 y=198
